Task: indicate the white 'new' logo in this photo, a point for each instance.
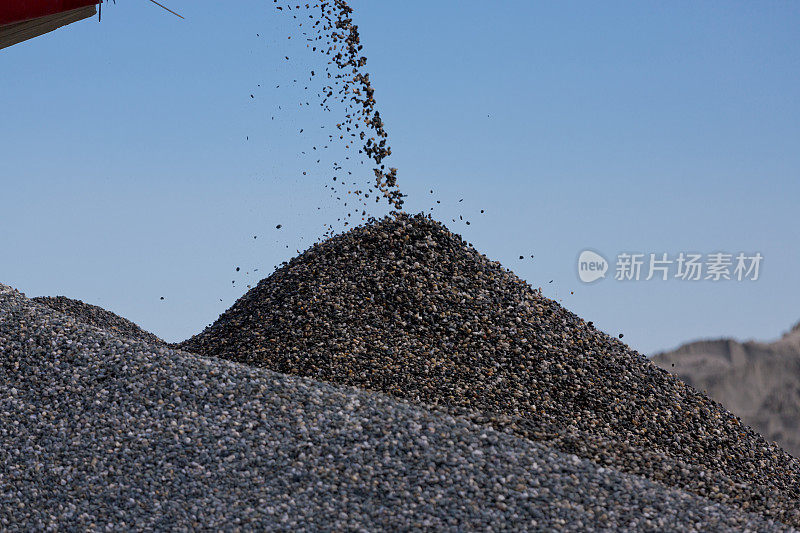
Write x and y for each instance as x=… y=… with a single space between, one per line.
x=591 y=266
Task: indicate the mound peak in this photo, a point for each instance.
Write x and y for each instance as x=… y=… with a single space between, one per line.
x=97 y=317
x=404 y=306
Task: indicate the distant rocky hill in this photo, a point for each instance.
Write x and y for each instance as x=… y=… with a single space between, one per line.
x=758 y=381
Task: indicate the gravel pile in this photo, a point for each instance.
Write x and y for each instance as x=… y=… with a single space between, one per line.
x=405 y=307
x=99 y=431
x=99 y=317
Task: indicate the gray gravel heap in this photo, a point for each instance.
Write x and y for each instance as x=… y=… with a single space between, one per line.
x=405 y=307
x=97 y=316
x=99 y=431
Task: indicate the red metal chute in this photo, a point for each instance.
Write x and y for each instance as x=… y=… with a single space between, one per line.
x=21 y=20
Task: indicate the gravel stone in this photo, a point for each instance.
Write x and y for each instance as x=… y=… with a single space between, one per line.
x=97 y=316
x=105 y=432
x=405 y=307
x=335 y=36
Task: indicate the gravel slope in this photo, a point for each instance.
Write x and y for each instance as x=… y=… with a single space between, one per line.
x=97 y=316
x=104 y=432
x=405 y=307
x=759 y=381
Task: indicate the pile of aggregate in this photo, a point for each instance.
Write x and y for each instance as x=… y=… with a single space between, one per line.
x=105 y=432
x=99 y=317
x=405 y=307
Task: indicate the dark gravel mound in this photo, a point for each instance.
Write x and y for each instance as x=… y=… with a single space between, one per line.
x=759 y=381
x=98 y=317
x=405 y=307
x=100 y=432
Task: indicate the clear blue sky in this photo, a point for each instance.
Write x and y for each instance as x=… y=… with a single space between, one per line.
x=126 y=172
